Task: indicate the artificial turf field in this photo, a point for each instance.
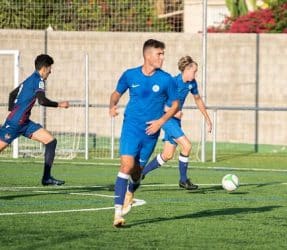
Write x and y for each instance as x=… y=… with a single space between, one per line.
x=79 y=214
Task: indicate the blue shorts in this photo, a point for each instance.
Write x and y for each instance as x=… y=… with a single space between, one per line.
x=135 y=142
x=10 y=131
x=172 y=130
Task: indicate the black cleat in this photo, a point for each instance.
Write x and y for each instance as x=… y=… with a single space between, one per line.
x=52 y=181
x=188 y=185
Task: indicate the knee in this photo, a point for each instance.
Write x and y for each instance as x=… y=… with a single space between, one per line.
x=186 y=149
x=166 y=156
x=52 y=143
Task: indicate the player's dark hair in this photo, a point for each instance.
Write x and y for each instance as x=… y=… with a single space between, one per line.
x=152 y=43
x=43 y=60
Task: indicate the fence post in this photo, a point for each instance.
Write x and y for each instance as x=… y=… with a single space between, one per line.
x=112 y=137
x=86 y=106
x=214 y=132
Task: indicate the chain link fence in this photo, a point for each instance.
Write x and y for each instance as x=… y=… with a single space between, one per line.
x=93 y=15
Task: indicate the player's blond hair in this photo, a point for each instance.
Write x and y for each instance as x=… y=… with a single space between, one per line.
x=184 y=62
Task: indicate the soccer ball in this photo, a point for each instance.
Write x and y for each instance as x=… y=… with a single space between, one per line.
x=230 y=182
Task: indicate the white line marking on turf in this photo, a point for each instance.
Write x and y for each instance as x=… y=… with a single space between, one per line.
x=244 y=169
x=58 y=211
x=40 y=187
x=89 y=194
x=137 y=202
x=166 y=166
x=82 y=194
x=63 y=188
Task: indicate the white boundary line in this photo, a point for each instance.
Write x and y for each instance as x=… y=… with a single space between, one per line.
x=62 y=189
x=58 y=211
x=137 y=202
x=168 y=165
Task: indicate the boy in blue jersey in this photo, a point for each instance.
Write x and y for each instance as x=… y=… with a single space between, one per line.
x=174 y=135
x=149 y=88
x=21 y=102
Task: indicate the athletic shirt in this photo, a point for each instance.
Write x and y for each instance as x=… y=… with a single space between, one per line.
x=183 y=88
x=26 y=98
x=148 y=95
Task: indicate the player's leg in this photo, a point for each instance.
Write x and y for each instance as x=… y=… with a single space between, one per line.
x=129 y=147
x=147 y=148
x=8 y=132
x=185 y=149
x=172 y=130
x=133 y=185
x=167 y=154
x=37 y=133
x=3 y=145
x=127 y=164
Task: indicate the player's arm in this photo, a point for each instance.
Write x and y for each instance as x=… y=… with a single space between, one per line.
x=114 y=99
x=177 y=115
x=154 y=126
x=44 y=101
x=201 y=106
x=12 y=96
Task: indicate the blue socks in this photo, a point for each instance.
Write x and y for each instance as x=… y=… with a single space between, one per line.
x=134 y=185
x=155 y=163
x=49 y=158
x=182 y=165
x=121 y=188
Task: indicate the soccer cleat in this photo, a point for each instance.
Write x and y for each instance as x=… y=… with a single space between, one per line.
x=52 y=181
x=128 y=203
x=119 y=221
x=188 y=185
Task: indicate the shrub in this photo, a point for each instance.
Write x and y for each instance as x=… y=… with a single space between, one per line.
x=272 y=20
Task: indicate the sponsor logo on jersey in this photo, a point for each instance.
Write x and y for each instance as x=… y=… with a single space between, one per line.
x=41 y=85
x=155 y=88
x=190 y=86
x=134 y=85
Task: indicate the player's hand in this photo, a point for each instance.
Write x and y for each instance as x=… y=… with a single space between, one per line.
x=64 y=104
x=209 y=127
x=153 y=127
x=114 y=111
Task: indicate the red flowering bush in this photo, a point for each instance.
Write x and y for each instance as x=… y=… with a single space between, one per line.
x=272 y=20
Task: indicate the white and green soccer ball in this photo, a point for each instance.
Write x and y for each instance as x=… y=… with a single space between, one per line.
x=230 y=182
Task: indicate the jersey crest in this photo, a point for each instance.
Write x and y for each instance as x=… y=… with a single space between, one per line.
x=155 y=88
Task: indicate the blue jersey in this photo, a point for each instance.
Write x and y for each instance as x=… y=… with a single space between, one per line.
x=148 y=95
x=26 y=99
x=183 y=88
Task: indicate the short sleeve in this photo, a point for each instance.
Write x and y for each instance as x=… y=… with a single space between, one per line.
x=194 y=89
x=172 y=90
x=122 y=85
x=40 y=85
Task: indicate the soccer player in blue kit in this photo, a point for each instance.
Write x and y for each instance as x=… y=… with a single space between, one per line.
x=174 y=135
x=21 y=102
x=149 y=88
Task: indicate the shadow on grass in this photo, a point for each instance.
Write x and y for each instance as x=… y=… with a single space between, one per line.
x=55 y=191
x=207 y=213
x=12 y=197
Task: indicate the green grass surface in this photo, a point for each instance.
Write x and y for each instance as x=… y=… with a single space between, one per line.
x=252 y=217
